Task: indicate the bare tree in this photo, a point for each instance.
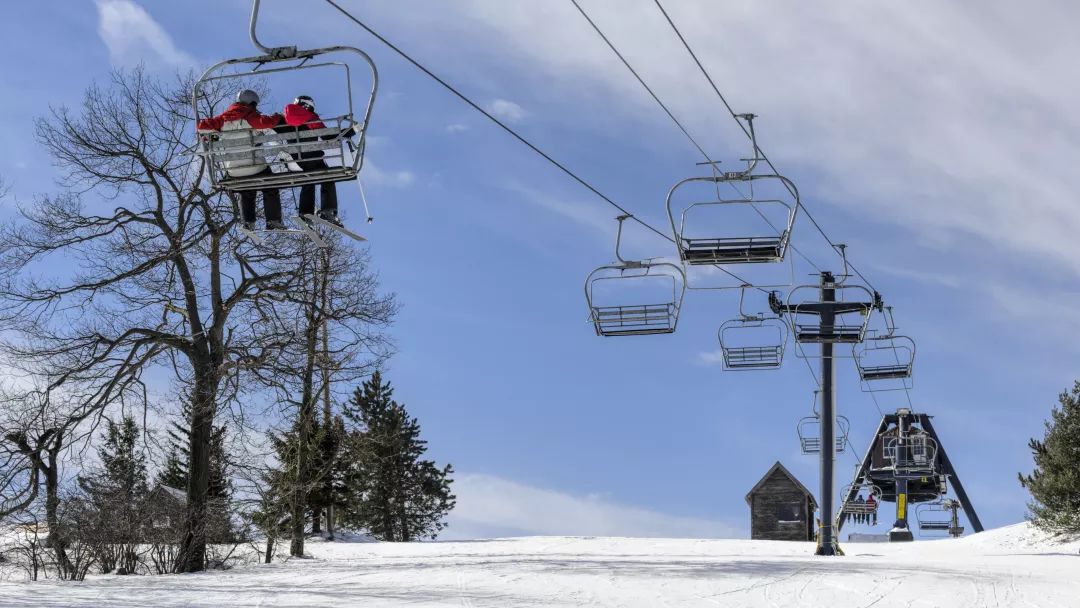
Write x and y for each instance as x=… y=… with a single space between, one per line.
x=339 y=318
x=92 y=299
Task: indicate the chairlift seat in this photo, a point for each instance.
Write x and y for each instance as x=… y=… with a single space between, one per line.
x=732 y=250
x=635 y=320
x=812 y=445
x=860 y=508
x=885 y=372
x=279 y=150
x=838 y=334
x=935 y=525
x=753 y=357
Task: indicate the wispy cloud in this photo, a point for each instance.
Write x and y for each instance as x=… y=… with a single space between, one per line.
x=374 y=175
x=457 y=128
x=507 y=110
x=490 y=506
x=133 y=36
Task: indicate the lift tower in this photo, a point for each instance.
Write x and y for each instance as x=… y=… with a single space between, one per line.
x=908 y=463
x=827 y=329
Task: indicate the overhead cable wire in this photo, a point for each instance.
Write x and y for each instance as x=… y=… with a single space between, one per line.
x=764 y=157
x=708 y=159
x=512 y=132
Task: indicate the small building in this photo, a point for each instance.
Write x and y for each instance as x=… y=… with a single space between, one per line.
x=781 y=508
x=166 y=507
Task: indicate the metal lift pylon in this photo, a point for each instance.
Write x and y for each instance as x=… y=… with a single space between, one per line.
x=826 y=334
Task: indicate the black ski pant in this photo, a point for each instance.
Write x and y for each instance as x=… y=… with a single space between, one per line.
x=271 y=203
x=327 y=190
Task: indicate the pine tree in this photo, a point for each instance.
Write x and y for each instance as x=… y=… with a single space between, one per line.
x=123 y=467
x=115 y=498
x=174 y=474
x=1055 y=482
x=393 y=492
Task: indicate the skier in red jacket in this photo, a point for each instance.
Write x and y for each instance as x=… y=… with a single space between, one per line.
x=300 y=115
x=237 y=121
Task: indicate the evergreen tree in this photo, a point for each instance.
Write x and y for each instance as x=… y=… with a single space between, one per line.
x=328 y=465
x=123 y=468
x=174 y=473
x=115 y=498
x=1055 y=483
x=393 y=492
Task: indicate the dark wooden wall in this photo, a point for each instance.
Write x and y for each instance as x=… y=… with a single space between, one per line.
x=764 y=523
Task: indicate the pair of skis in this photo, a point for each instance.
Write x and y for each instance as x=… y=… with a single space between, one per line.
x=305 y=226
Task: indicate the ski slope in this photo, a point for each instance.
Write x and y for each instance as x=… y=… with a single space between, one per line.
x=1011 y=566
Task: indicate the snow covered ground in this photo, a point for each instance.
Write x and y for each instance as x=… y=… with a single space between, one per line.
x=1012 y=566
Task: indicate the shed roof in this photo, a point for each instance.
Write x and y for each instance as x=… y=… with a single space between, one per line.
x=786 y=472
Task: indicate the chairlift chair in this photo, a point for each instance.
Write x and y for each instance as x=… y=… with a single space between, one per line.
x=860 y=508
x=635 y=319
x=809 y=430
x=919 y=454
x=752 y=341
x=939 y=518
x=277 y=150
x=885 y=358
x=735 y=249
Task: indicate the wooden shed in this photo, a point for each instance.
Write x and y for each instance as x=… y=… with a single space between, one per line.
x=781 y=508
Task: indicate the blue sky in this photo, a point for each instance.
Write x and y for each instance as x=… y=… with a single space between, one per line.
x=938 y=143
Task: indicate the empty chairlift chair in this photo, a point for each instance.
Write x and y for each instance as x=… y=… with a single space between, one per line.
x=809 y=430
x=916 y=453
x=773 y=214
x=885 y=362
x=939 y=518
x=621 y=314
x=752 y=341
x=342 y=141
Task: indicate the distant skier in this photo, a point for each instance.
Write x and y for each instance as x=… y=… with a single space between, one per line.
x=871 y=506
x=860 y=511
x=236 y=122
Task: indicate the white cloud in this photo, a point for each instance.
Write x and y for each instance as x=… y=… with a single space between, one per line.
x=710 y=358
x=457 y=128
x=491 y=506
x=133 y=37
x=925 y=115
x=375 y=176
x=507 y=110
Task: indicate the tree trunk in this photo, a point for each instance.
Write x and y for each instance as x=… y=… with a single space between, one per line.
x=316 y=521
x=305 y=419
x=193 y=546
x=57 y=539
x=269 y=556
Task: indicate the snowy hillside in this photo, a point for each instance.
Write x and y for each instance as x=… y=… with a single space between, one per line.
x=1012 y=566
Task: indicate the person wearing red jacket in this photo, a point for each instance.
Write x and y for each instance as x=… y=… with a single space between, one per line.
x=237 y=121
x=300 y=115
